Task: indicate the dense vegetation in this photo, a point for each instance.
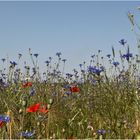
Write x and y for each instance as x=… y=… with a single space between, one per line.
x=99 y=101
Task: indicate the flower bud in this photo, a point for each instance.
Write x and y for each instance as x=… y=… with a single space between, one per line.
x=20 y=111
x=24 y=103
x=50 y=101
x=48 y=106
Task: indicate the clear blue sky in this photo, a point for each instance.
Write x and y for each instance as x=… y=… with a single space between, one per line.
x=77 y=29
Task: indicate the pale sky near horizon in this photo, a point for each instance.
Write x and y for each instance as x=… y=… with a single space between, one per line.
x=76 y=29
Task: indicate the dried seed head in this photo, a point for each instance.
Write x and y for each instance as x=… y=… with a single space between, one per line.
x=48 y=106
x=20 y=111
x=50 y=101
x=24 y=103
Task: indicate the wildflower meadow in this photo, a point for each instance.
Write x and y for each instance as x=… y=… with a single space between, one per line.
x=99 y=101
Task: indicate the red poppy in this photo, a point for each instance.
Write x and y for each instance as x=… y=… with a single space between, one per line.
x=1 y=124
x=44 y=110
x=74 y=89
x=33 y=108
x=28 y=84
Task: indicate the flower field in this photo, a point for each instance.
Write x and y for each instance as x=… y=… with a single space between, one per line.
x=99 y=101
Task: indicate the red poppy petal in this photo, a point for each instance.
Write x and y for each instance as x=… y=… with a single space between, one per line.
x=1 y=124
x=44 y=110
x=33 y=108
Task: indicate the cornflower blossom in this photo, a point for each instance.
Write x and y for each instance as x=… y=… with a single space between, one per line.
x=127 y=56
x=47 y=62
x=27 y=134
x=13 y=63
x=64 y=60
x=19 y=55
x=36 y=55
x=80 y=65
x=122 y=42
x=32 y=91
x=108 y=55
x=115 y=63
x=3 y=60
x=101 y=131
x=58 y=54
x=4 y=118
x=95 y=70
x=69 y=75
x=66 y=86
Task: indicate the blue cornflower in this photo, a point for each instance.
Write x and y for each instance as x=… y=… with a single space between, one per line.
x=93 y=56
x=1 y=117
x=50 y=58
x=58 y=54
x=34 y=70
x=116 y=64
x=64 y=60
x=32 y=91
x=47 y=62
x=3 y=60
x=101 y=131
x=4 y=118
x=19 y=55
x=27 y=134
x=68 y=93
x=108 y=55
x=67 y=86
x=80 y=65
x=13 y=63
x=36 y=54
x=69 y=75
x=122 y=42
x=95 y=70
x=83 y=71
x=127 y=56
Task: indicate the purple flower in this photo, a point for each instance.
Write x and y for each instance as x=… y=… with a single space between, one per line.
x=80 y=65
x=27 y=134
x=4 y=118
x=32 y=91
x=108 y=55
x=101 y=131
x=93 y=56
x=50 y=58
x=68 y=93
x=122 y=42
x=67 y=86
x=3 y=60
x=47 y=62
x=36 y=55
x=13 y=63
x=95 y=70
x=19 y=55
x=116 y=64
x=127 y=56
x=58 y=54
x=64 y=60
x=69 y=75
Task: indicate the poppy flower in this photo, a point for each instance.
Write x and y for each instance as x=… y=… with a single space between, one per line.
x=74 y=89
x=44 y=110
x=33 y=108
x=1 y=124
x=28 y=84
